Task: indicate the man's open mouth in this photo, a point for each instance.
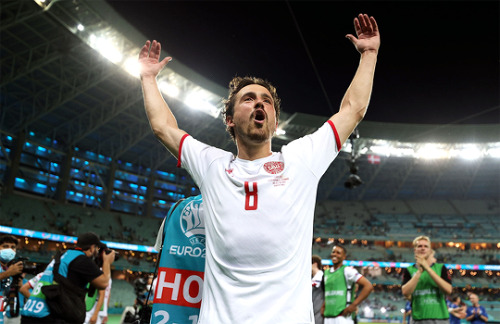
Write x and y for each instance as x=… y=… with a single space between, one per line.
x=260 y=115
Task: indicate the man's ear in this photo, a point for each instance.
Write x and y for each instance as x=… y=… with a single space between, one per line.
x=229 y=121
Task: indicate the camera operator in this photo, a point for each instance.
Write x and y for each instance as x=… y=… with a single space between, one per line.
x=78 y=267
x=8 y=247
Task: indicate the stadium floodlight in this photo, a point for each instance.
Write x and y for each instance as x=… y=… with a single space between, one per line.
x=197 y=100
x=131 y=65
x=383 y=149
x=493 y=152
x=280 y=131
x=104 y=45
x=80 y=27
x=169 y=89
x=467 y=152
x=432 y=151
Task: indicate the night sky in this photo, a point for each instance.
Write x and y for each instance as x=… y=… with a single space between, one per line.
x=438 y=63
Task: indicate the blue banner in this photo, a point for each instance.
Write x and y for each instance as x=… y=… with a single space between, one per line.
x=179 y=284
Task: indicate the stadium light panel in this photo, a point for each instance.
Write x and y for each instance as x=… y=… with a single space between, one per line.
x=104 y=45
x=131 y=65
x=432 y=151
x=493 y=152
x=280 y=131
x=198 y=101
x=469 y=152
x=381 y=149
x=80 y=27
x=169 y=89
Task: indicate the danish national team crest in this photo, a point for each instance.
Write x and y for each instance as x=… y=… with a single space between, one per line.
x=274 y=167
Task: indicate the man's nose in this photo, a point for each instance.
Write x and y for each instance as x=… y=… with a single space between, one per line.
x=259 y=102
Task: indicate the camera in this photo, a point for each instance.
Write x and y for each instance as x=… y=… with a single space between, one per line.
x=28 y=267
x=12 y=298
x=105 y=250
x=141 y=313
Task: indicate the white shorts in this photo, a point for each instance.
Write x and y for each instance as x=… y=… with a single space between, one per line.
x=338 y=320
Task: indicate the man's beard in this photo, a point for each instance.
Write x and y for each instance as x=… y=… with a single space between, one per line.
x=254 y=133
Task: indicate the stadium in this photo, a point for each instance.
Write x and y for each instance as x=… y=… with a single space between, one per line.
x=77 y=154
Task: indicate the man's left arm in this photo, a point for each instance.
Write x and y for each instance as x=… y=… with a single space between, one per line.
x=366 y=290
x=355 y=102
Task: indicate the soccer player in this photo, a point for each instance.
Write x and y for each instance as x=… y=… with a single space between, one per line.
x=259 y=204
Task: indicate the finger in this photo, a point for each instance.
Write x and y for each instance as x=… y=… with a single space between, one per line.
x=369 y=26
x=145 y=50
x=357 y=26
x=365 y=23
x=374 y=24
x=165 y=61
x=352 y=38
x=362 y=21
x=153 y=51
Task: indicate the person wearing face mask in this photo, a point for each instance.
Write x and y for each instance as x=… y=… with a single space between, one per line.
x=78 y=267
x=8 y=247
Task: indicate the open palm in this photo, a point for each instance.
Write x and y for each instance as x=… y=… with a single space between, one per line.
x=368 y=34
x=149 y=59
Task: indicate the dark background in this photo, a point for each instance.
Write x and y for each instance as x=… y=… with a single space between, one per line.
x=438 y=63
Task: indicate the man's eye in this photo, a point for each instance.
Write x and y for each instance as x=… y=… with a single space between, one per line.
x=248 y=99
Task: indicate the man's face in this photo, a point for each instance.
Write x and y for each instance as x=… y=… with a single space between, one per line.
x=337 y=255
x=423 y=248
x=94 y=250
x=474 y=299
x=7 y=245
x=254 y=117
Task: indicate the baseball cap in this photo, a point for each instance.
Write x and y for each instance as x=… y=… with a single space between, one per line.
x=89 y=238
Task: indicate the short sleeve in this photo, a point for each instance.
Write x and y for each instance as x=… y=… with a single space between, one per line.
x=317 y=150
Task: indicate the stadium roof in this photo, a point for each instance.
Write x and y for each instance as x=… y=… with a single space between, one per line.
x=55 y=84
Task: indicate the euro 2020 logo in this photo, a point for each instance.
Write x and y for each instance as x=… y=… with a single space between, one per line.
x=193 y=222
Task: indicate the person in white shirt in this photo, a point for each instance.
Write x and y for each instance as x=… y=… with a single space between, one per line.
x=317 y=292
x=259 y=204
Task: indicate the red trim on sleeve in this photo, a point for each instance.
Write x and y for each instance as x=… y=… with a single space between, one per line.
x=180 y=150
x=359 y=278
x=337 y=138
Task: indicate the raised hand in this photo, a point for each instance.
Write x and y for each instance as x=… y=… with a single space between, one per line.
x=368 y=34
x=149 y=59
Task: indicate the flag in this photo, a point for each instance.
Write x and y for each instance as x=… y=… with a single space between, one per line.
x=373 y=159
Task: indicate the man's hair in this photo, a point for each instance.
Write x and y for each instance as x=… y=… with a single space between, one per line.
x=8 y=239
x=454 y=298
x=238 y=83
x=420 y=238
x=317 y=259
x=340 y=246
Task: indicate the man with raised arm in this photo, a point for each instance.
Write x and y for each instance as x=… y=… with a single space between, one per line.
x=259 y=204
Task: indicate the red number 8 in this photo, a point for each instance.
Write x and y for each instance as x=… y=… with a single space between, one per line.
x=251 y=204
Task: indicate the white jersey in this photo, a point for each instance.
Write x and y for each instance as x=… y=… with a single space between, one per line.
x=259 y=228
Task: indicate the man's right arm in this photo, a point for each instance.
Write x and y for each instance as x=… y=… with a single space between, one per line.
x=12 y=270
x=102 y=281
x=409 y=287
x=161 y=119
